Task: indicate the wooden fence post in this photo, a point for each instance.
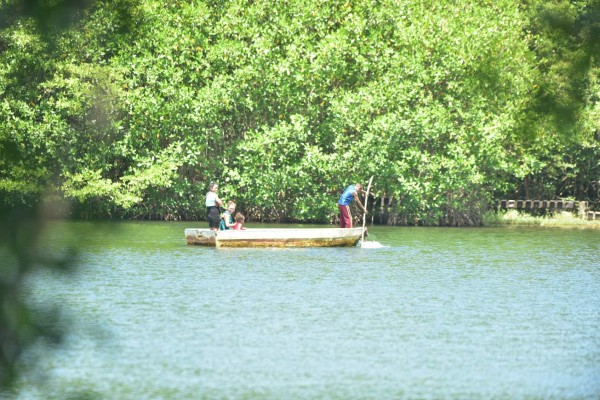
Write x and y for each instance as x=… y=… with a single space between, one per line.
x=582 y=209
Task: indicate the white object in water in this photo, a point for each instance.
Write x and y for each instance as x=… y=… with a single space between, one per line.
x=371 y=245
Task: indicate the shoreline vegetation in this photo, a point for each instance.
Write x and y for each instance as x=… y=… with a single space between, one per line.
x=563 y=219
x=131 y=109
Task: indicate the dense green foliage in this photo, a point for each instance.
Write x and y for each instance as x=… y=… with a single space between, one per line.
x=131 y=107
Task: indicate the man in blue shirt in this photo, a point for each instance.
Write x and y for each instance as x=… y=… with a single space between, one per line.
x=349 y=194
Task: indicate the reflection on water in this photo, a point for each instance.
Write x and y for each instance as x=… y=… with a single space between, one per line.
x=437 y=313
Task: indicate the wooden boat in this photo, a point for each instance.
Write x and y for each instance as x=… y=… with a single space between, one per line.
x=275 y=237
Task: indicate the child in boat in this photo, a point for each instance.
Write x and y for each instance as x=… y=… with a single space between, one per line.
x=227 y=220
x=239 y=221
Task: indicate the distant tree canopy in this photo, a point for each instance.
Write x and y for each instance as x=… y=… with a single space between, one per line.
x=129 y=108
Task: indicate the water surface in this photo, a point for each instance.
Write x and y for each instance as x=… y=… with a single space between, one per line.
x=437 y=313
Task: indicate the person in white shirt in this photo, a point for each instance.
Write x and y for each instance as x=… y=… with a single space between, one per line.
x=213 y=206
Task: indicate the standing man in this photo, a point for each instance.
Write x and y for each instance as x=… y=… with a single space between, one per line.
x=349 y=194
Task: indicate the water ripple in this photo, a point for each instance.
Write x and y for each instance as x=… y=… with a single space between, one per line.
x=438 y=313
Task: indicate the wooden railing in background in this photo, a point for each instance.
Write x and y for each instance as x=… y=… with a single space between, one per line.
x=580 y=207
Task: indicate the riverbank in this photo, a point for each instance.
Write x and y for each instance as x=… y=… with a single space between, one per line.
x=563 y=219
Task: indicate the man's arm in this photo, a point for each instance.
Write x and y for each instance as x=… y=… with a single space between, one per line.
x=359 y=202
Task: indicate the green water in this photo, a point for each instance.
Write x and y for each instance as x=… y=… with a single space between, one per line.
x=510 y=313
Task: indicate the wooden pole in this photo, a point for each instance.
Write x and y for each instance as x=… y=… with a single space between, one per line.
x=365 y=214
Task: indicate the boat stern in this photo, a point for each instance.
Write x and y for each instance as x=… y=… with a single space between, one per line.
x=201 y=237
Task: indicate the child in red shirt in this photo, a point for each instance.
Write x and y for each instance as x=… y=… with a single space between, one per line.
x=239 y=221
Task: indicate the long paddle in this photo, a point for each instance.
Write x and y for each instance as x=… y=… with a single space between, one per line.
x=365 y=214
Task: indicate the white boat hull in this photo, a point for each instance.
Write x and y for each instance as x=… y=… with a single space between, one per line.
x=275 y=237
